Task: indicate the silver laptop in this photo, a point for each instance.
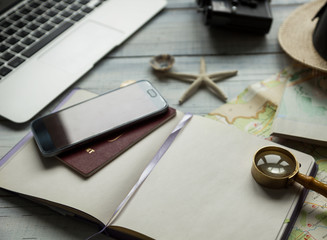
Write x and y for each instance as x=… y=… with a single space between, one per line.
x=46 y=45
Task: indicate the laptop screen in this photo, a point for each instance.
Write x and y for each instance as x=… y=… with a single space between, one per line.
x=6 y=4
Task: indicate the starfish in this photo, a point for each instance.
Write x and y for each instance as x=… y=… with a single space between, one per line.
x=202 y=78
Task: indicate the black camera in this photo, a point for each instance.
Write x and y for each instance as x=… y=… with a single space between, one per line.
x=242 y=15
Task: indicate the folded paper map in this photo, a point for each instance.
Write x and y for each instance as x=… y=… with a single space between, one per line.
x=263 y=99
x=302 y=113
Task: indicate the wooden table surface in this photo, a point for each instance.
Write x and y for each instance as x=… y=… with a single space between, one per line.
x=179 y=31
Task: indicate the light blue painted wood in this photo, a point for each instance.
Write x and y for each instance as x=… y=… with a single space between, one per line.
x=177 y=30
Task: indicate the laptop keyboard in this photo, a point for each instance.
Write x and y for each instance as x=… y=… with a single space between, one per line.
x=34 y=24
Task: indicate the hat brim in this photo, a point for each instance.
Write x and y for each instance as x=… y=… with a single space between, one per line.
x=295 y=36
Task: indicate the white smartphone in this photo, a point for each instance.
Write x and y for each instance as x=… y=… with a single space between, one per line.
x=112 y=111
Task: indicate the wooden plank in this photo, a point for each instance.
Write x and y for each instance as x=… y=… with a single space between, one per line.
x=110 y=73
x=192 y=3
x=182 y=32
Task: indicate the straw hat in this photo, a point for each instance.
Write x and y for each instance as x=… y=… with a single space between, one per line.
x=295 y=35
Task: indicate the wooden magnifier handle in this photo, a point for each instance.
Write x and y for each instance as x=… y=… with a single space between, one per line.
x=311 y=183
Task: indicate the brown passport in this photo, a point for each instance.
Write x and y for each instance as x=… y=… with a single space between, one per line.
x=89 y=158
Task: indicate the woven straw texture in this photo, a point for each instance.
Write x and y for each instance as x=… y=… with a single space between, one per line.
x=295 y=36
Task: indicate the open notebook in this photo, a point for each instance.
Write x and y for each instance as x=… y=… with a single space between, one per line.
x=201 y=188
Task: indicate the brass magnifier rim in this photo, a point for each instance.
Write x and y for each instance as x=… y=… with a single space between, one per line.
x=271 y=181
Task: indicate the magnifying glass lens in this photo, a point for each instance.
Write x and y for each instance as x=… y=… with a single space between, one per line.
x=275 y=164
x=275 y=167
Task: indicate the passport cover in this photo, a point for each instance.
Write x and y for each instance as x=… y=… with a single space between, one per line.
x=89 y=158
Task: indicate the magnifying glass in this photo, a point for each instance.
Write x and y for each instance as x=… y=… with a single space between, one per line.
x=275 y=167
